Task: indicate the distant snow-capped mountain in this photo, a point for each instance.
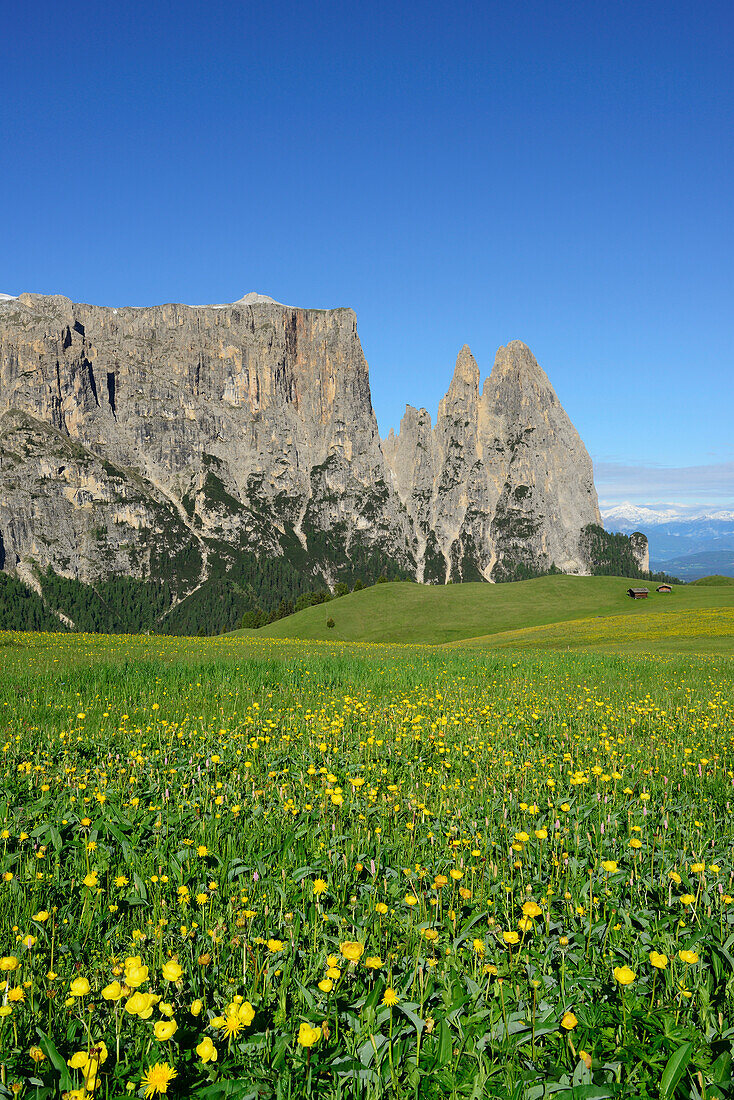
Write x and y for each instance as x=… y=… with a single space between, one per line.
x=677 y=533
x=628 y=513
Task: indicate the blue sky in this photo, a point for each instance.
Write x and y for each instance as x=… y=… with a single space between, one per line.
x=559 y=173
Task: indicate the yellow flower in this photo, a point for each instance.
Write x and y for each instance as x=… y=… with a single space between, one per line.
x=687 y=899
x=36 y=1054
x=510 y=938
x=334 y=973
x=381 y=908
x=91 y=880
x=78 y=1060
x=635 y=843
x=478 y=946
x=196 y=1007
x=411 y=899
x=157 y=1078
x=5 y=1010
x=79 y=987
x=609 y=865
x=531 y=909
x=374 y=962
x=172 y=971
x=689 y=957
x=206 y=1050
x=308 y=1036
x=456 y=875
x=274 y=946
x=389 y=997
x=698 y=867
x=135 y=972
x=569 y=1021
x=624 y=975
x=319 y=886
x=16 y=994
x=9 y=962
x=658 y=961
x=352 y=950
x=246 y=1013
x=42 y=915
x=164 y=1029
x=326 y=985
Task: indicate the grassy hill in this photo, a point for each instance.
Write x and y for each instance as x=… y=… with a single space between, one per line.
x=433 y=614
x=716 y=580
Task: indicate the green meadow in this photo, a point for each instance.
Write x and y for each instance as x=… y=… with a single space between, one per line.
x=263 y=867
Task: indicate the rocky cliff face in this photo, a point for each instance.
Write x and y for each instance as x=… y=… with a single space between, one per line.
x=502 y=486
x=168 y=441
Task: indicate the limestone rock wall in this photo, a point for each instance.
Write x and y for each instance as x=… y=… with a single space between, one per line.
x=150 y=441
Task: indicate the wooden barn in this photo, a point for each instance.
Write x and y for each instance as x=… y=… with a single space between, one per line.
x=638 y=593
x=664 y=588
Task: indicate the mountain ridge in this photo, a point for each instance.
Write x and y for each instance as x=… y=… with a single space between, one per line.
x=222 y=445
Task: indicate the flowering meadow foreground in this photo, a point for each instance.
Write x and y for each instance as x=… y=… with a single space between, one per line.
x=270 y=869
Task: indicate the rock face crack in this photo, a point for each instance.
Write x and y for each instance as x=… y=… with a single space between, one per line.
x=131 y=437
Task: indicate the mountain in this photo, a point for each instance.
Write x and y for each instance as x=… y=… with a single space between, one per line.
x=679 y=535
x=488 y=488
x=230 y=453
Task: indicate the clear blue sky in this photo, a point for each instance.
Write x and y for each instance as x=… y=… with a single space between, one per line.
x=556 y=172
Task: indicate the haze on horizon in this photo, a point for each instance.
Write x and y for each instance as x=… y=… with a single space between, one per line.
x=559 y=175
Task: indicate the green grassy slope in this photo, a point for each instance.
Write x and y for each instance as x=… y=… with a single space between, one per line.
x=433 y=614
x=716 y=580
x=693 y=630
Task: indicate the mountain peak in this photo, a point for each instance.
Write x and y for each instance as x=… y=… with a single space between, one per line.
x=252 y=298
x=463 y=392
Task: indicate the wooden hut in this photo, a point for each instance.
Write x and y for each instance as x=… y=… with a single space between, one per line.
x=638 y=593
x=664 y=588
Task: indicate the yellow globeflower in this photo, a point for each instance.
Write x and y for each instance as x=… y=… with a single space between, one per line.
x=658 y=961
x=687 y=899
x=352 y=950
x=165 y=1029
x=9 y=962
x=510 y=938
x=172 y=971
x=525 y=924
x=5 y=1010
x=78 y=1060
x=531 y=909
x=326 y=985
x=79 y=987
x=308 y=1036
x=569 y=1021
x=411 y=899
x=624 y=975
x=381 y=908
x=246 y=1013
x=697 y=868
x=91 y=880
x=196 y=1007
x=689 y=957
x=373 y=962
x=206 y=1050
x=609 y=865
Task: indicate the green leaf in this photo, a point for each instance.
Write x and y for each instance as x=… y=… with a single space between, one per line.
x=49 y=1049
x=675 y=1069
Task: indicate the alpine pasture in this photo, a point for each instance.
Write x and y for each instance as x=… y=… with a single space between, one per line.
x=255 y=867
